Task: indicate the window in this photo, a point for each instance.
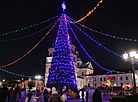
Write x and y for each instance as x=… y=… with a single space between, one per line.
x=100 y=79
x=88 y=84
x=78 y=64
x=104 y=79
x=94 y=79
x=127 y=83
x=95 y=84
x=82 y=73
x=126 y=78
x=121 y=84
x=121 y=78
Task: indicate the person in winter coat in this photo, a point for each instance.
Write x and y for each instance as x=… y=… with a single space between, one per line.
x=55 y=97
x=97 y=97
x=9 y=90
x=19 y=92
x=1 y=89
x=14 y=94
x=62 y=97
x=11 y=93
x=4 y=93
x=29 y=96
x=82 y=95
x=45 y=95
x=87 y=96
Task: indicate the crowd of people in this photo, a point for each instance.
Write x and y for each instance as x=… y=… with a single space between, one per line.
x=54 y=95
x=10 y=92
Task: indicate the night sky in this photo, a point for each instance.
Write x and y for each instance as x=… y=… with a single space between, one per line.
x=114 y=17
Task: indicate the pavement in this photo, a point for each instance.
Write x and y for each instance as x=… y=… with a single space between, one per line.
x=34 y=99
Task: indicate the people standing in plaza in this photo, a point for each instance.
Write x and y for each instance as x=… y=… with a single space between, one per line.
x=14 y=94
x=1 y=89
x=55 y=97
x=97 y=97
x=4 y=93
x=62 y=97
x=45 y=95
x=82 y=94
x=87 y=96
x=9 y=90
x=19 y=92
x=11 y=93
x=29 y=96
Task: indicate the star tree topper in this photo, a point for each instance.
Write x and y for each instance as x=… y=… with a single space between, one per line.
x=63 y=6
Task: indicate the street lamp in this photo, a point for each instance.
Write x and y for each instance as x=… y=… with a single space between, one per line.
x=0 y=83
x=132 y=57
x=37 y=77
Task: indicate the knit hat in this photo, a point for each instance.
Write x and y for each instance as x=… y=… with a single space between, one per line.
x=54 y=90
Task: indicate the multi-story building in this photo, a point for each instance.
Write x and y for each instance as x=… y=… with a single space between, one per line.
x=120 y=79
x=84 y=72
x=81 y=69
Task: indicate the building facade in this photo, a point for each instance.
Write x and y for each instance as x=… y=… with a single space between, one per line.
x=81 y=69
x=120 y=79
x=84 y=72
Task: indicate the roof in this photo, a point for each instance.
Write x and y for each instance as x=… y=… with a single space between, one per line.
x=83 y=65
x=80 y=77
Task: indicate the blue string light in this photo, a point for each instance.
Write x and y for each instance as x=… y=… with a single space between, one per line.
x=86 y=51
x=89 y=55
x=97 y=42
x=107 y=35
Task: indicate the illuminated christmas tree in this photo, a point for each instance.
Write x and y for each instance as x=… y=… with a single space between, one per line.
x=61 y=72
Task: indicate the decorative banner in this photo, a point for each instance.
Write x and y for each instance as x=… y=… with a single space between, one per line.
x=111 y=80
x=21 y=29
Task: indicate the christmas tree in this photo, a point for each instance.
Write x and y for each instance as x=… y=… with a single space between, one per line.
x=61 y=72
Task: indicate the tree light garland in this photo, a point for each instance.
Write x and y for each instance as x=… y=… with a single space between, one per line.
x=21 y=29
x=88 y=14
x=97 y=42
x=90 y=56
x=30 y=34
x=61 y=71
x=32 y=48
x=107 y=35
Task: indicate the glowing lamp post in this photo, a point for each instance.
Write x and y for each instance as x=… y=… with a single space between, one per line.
x=0 y=83
x=132 y=57
x=38 y=77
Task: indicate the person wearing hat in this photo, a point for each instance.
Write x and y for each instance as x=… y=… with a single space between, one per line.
x=55 y=97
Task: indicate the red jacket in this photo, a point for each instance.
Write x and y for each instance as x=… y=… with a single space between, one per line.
x=11 y=93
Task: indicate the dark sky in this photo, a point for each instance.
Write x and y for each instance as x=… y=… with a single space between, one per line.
x=115 y=17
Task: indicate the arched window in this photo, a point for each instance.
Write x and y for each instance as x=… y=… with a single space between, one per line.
x=82 y=73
